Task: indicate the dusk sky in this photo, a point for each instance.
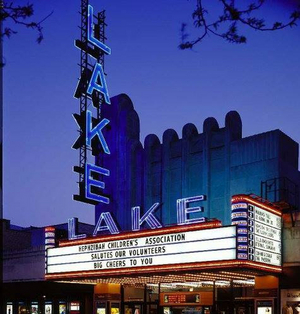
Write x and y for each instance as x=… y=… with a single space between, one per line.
x=168 y=87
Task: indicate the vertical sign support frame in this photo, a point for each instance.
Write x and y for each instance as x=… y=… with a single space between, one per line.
x=88 y=56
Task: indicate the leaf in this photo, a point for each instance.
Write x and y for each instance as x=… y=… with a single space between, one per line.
x=8 y=32
x=277 y=25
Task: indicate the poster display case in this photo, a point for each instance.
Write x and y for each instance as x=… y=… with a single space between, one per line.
x=100 y=307
x=115 y=308
x=9 y=308
x=22 y=309
x=290 y=301
x=74 y=307
x=62 y=307
x=34 y=308
x=48 y=308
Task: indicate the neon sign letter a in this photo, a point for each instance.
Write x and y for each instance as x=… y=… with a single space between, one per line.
x=98 y=72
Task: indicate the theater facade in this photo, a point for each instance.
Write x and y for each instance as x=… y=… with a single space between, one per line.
x=200 y=267
x=190 y=224
x=195 y=224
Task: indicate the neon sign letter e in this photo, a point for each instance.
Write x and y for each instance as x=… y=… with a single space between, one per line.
x=90 y=181
x=183 y=210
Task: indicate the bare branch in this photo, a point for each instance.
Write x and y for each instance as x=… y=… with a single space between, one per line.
x=231 y=18
x=19 y=15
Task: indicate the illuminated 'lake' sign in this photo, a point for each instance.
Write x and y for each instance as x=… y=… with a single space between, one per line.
x=91 y=87
x=106 y=222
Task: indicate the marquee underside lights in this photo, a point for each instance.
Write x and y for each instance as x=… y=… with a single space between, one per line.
x=171 y=282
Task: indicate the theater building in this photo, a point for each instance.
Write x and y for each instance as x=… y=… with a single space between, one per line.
x=203 y=222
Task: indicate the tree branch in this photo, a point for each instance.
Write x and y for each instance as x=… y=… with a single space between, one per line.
x=231 y=18
x=19 y=15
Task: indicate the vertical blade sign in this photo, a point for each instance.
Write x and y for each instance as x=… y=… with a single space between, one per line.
x=91 y=89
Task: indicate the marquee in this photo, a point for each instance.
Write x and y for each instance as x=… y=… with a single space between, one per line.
x=191 y=247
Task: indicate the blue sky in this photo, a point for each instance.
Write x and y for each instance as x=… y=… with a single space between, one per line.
x=168 y=87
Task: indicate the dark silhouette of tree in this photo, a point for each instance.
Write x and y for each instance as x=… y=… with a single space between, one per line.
x=226 y=25
x=20 y=15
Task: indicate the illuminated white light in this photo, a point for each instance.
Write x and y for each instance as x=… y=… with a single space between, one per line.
x=245 y=282
x=264 y=236
x=242 y=239
x=105 y=254
x=177 y=248
x=161 y=260
x=72 y=226
x=239 y=215
x=148 y=217
x=240 y=222
x=49 y=241
x=183 y=211
x=239 y=206
x=49 y=235
x=109 y=224
x=242 y=231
